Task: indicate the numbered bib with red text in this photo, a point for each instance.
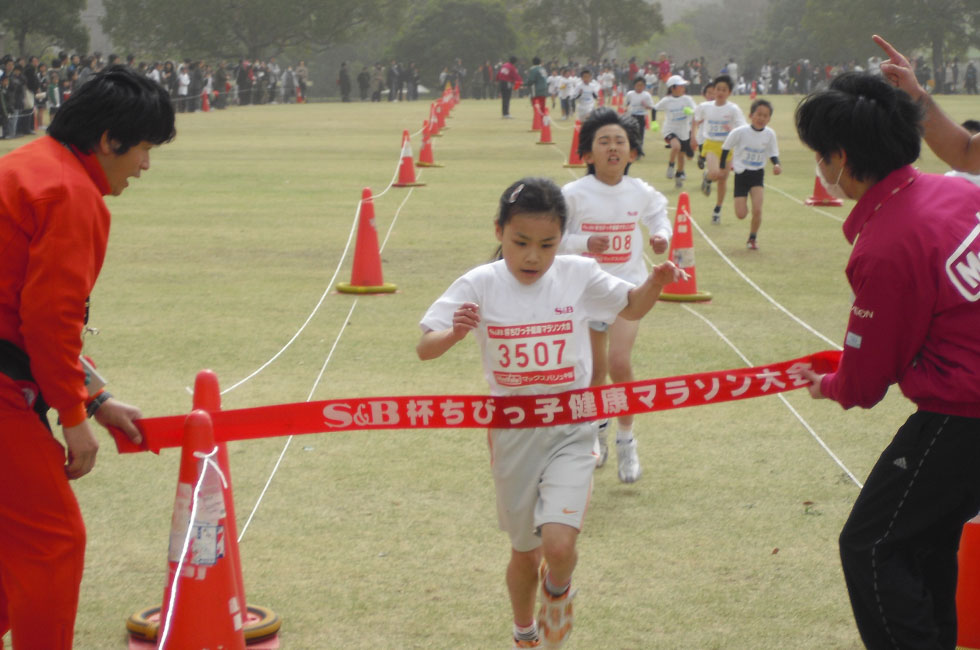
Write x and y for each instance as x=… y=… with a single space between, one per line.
x=532 y=354
x=620 y=241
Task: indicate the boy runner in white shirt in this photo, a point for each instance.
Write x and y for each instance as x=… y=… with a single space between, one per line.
x=679 y=108
x=750 y=146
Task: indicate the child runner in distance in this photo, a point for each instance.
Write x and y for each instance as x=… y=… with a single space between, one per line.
x=586 y=95
x=677 y=131
x=720 y=118
x=750 y=146
x=708 y=92
x=543 y=476
x=605 y=209
x=638 y=102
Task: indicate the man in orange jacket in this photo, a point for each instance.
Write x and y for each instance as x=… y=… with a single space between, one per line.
x=54 y=226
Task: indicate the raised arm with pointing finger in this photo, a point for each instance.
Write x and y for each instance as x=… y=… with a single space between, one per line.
x=950 y=141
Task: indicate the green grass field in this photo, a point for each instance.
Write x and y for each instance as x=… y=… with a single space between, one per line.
x=388 y=539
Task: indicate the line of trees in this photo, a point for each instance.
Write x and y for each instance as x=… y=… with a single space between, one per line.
x=433 y=33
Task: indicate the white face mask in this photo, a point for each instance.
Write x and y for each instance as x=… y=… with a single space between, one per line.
x=834 y=189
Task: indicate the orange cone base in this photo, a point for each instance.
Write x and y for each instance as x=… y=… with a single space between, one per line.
x=426 y=164
x=827 y=202
x=968 y=586
x=261 y=628
x=699 y=296
x=575 y=166
x=416 y=184
x=347 y=287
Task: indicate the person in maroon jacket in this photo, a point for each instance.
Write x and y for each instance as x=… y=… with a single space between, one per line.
x=915 y=321
x=54 y=226
x=510 y=80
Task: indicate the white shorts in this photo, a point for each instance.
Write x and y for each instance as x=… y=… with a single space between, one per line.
x=541 y=476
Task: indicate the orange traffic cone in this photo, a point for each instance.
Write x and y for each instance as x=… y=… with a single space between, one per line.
x=682 y=254
x=205 y=102
x=752 y=94
x=536 y=122
x=602 y=97
x=366 y=275
x=259 y=624
x=434 y=121
x=968 y=586
x=574 y=160
x=821 y=197
x=425 y=154
x=545 y=129
x=201 y=608
x=406 y=170
x=442 y=112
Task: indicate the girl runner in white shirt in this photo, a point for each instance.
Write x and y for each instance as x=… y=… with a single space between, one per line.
x=543 y=476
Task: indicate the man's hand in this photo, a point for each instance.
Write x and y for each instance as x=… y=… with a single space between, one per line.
x=898 y=70
x=814 y=386
x=82 y=448
x=113 y=413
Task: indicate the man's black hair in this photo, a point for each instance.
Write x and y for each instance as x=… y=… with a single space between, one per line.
x=878 y=126
x=604 y=116
x=117 y=100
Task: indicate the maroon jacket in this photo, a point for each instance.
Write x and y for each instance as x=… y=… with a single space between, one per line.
x=915 y=273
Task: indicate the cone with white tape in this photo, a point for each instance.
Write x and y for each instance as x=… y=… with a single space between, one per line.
x=682 y=254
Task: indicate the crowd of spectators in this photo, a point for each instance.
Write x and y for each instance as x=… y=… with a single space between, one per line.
x=31 y=90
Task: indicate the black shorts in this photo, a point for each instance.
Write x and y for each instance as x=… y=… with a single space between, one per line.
x=747 y=180
x=685 y=144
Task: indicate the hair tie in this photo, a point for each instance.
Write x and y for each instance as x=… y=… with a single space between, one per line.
x=515 y=194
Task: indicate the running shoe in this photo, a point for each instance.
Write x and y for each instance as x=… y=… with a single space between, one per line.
x=716 y=215
x=629 y=462
x=555 y=616
x=670 y=171
x=751 y=245
x=705 y=185
x=601 y=449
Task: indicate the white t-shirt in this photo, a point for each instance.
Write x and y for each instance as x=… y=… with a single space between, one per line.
x=566 y=86
x=553 y=81
x=638 y=103
x=534 y=338
x=719 y=121
x=606 y=80
x=677 y=121
x=585 y=96
x=616 y=211
x=973 y=178
x=750 y=148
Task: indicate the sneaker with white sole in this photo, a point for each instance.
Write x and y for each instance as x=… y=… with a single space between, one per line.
x=629 y=462
x=751 y=244
x=705 y=185
x=601 y=448
x=670 y=171
x=555 y=617
x=526 y=644
x=716 y=215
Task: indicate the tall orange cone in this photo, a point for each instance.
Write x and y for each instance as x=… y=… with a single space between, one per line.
x=425 y=154
x=574 y=160
x=545 y=129
x=260 y=625
x=968 y=586
x=366 y=275
x=752 y=94
x=434 y=121
x=406 y=170
x=205 y=102
x=201 y=607
x=821 y=197
x=442 y=112
x=538 y=116
x=682 y=254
